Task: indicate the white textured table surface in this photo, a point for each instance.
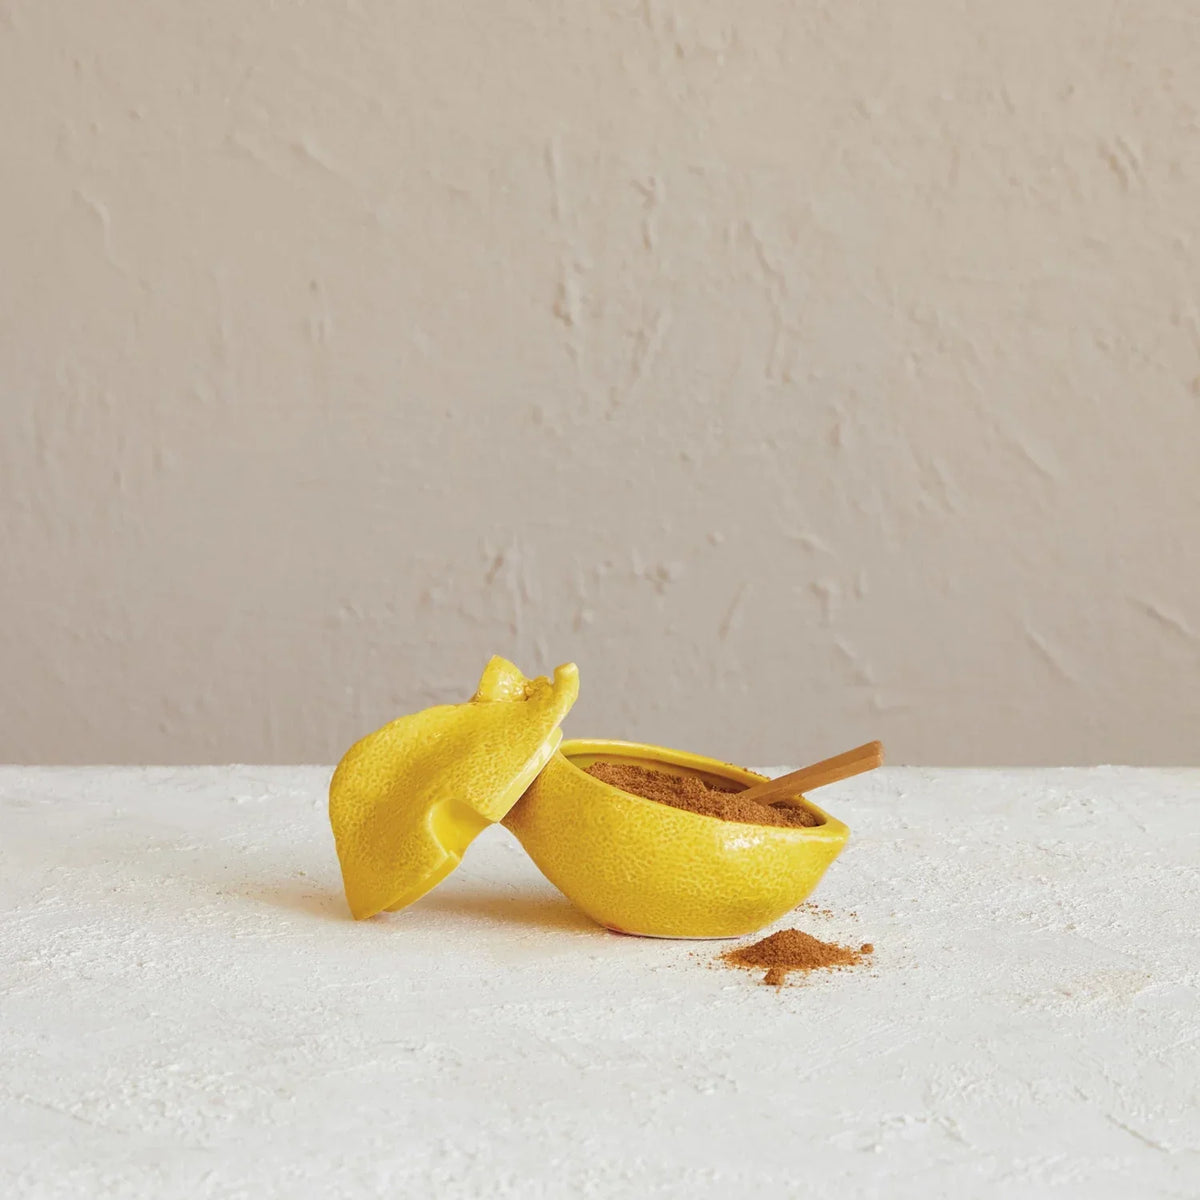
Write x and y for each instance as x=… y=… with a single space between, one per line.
x=187 y=1011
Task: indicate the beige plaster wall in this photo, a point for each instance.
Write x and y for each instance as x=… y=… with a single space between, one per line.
x=806 y=371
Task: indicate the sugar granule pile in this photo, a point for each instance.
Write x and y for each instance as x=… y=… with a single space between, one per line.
x=793 y=950
x=694 y=795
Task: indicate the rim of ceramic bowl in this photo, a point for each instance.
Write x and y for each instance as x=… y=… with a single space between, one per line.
x=830 y=829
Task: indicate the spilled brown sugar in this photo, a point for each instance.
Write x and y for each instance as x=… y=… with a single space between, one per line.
x=694 y=795
x=793 y=950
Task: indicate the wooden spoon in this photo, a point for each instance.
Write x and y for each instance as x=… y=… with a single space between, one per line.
x=828 y=770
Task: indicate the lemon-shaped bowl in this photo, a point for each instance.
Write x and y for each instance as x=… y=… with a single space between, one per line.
x=638 y=866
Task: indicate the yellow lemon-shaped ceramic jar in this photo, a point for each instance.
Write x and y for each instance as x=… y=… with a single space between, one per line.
x=407 y=800
x=638 y=866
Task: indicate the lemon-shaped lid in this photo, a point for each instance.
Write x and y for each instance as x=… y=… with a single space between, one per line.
x=408 y=799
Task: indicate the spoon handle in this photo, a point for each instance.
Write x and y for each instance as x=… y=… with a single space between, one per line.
x=828 y=770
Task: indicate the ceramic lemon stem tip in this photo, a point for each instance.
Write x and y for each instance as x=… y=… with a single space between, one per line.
x=819 y=774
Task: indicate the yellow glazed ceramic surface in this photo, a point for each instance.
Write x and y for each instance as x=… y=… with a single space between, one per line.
x=407 y=800
x=638 y=866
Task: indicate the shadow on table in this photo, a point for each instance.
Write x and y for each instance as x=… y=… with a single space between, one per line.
x=496 y=907
x=505 y=908
x=300 y=897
